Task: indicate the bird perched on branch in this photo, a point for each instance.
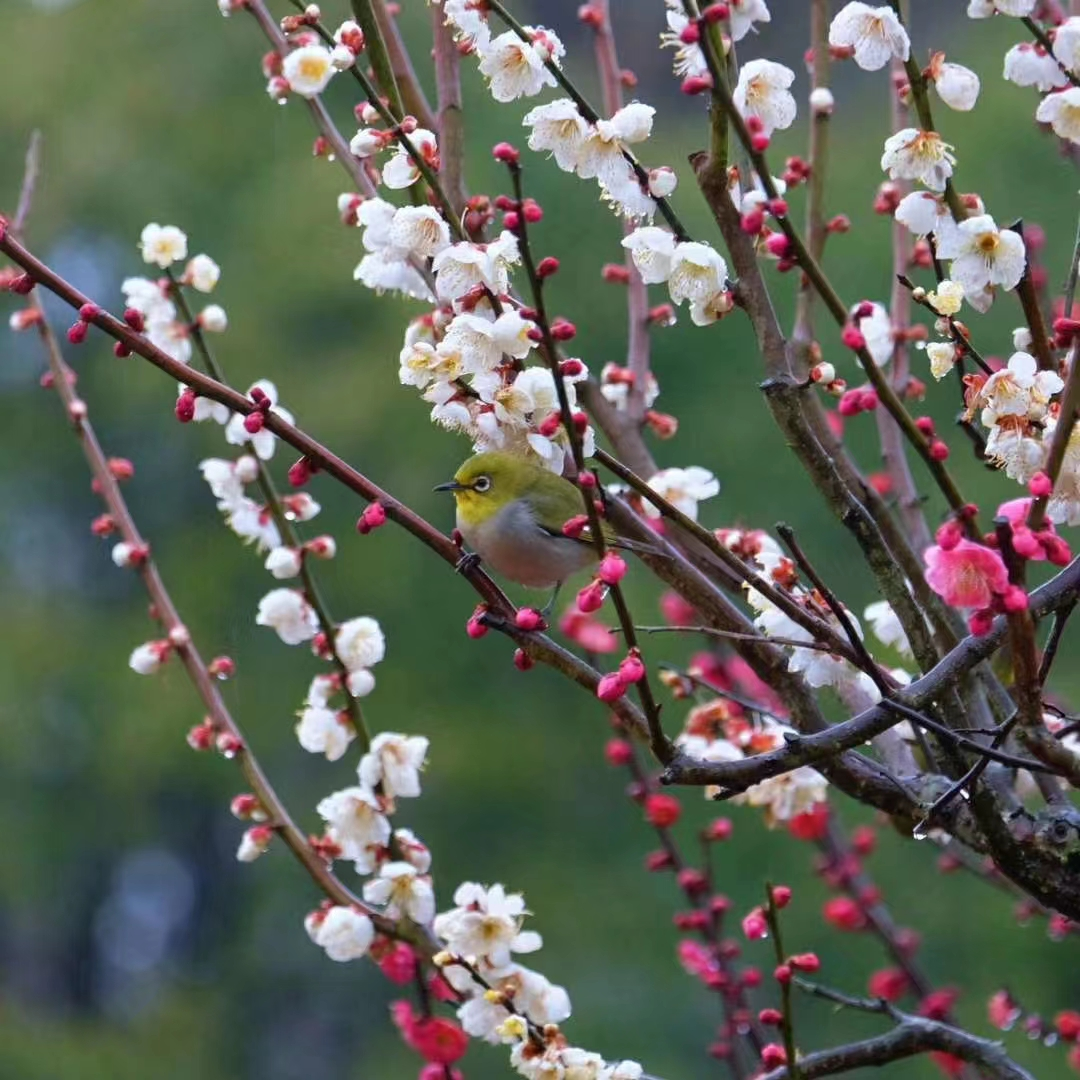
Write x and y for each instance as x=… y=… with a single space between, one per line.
x=512 y=513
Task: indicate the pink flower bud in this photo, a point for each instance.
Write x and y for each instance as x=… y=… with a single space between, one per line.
x=753 y=222
x=135 y=319
x=719 y=829
x=981 y=622
x=1014 y=599
x=632 y=670
x=547 y=266
x=770 y=1017
x=755 y=926
x=778 y=245
x=949 y=535
x=805 y=962
x=185 y=406
x=201 y=737
x=121 y=350
x=563 y=330
x=618 y=752
x=373 y=516
x=299 y=471
x=522 y=660
x=939 y=451
x=512 y=221
x=222 y=667
x=853 y=338
x=591 y=598
x=532 y=211
x=696 y=84
x=782 y=973
x=612 y=569
x=1040 y=485
x=549 y=425
x=253 y=423
x=475 y=627
x=611 y=686
x=77 y=332
x=505 y=153
x=245 y=807
x=850 y=403
x=575 y=526
x=529 y=619
x=773 y=1055
x=781 y=895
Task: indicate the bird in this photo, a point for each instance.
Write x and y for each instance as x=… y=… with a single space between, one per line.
x=511 y=512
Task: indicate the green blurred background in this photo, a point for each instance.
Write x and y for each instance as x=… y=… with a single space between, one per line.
x=131 y=942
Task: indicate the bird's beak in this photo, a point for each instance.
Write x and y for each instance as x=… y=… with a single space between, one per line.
x=450 y=485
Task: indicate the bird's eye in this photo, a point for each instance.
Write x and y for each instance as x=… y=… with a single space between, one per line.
x=482 y=484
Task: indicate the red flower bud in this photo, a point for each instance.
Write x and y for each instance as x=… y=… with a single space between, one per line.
x=547 y=266
x=522 y=660
x=618 y=752
x=253 y=423
x=755 y=926
x=185 y=406
x=632 y=670
x=696 y=84
x=805 y=962
x=529 y=619
x=781 y=895
x=853 y=338
x=773 y=1056
x=505 y=153
x=591 y=598
x=662 y=811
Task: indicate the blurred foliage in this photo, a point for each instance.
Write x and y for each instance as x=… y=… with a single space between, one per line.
x=131 y=940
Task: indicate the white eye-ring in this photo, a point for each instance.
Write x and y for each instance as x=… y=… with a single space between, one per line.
x=482 y=484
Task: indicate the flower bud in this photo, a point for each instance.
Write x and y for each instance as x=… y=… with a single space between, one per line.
x=529 y=619
x=612 y=569
x=522 y=660
x=662 y=811
x=632 y=670
x=662 y=181
x=612 y=686
x=755 y=926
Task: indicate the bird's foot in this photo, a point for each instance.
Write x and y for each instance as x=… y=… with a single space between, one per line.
x=467 y=563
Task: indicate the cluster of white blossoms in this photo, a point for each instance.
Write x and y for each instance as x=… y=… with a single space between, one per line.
x=596 y=151
x=1015 y=405
x=692 y=271
x=818 y=667
x=683 y=488
x=469 y=366
x=164 y=246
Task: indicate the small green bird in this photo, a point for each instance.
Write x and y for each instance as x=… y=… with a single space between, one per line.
x=511 y=512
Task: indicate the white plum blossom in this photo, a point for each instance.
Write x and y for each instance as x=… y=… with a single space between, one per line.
x=403 y=892
x=877 y=328
x=147 y=658
x=213 y=319
x=689 y=59
x=984 y=9
x=469 y=21
x=763 y=92
x=172 y=338
x=202 y=273
x=1019 y=389
x=947 y=298
x=147 y=297
x=822 y=101
x=912 y=154
x=162 y=245
x=923 y=212
x=1017 y=453
x=559 y=128
x=1028 y=64
x=874 y=33
x=222 y=476
x=983 y=258
x=956 y=85
x=942 y=357
x=652 y=249
x=788 y=795
x=360 y=643
x=419 y=231
x=252 y=523
x=1067 y=44
x=324 y=731
x=601 y=153
x=486 y=923
x=345 y=933
x=697 y=272
x=413 y=850
x=284 y=562
x=402 y=171
x=254 y=843
x=516 y=68
x=743 y=15
x=355 y=820
x=262 y=442
x=886 y=626
x=308 y=69
x=384 y=272
x=394 y=762
x=683 y=488
x=463 y=266
x=289 y=614
x=421 y=364
x=1061 y=110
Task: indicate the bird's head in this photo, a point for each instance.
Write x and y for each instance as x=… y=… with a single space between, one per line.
x=487 y=482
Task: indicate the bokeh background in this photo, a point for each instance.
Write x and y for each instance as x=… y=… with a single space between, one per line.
x=131 y=942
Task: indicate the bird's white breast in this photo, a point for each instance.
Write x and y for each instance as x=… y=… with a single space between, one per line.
x=513 y=545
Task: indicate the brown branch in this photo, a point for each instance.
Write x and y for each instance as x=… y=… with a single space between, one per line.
x=912 y=1035
x=29 y=184
x=450 y=122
